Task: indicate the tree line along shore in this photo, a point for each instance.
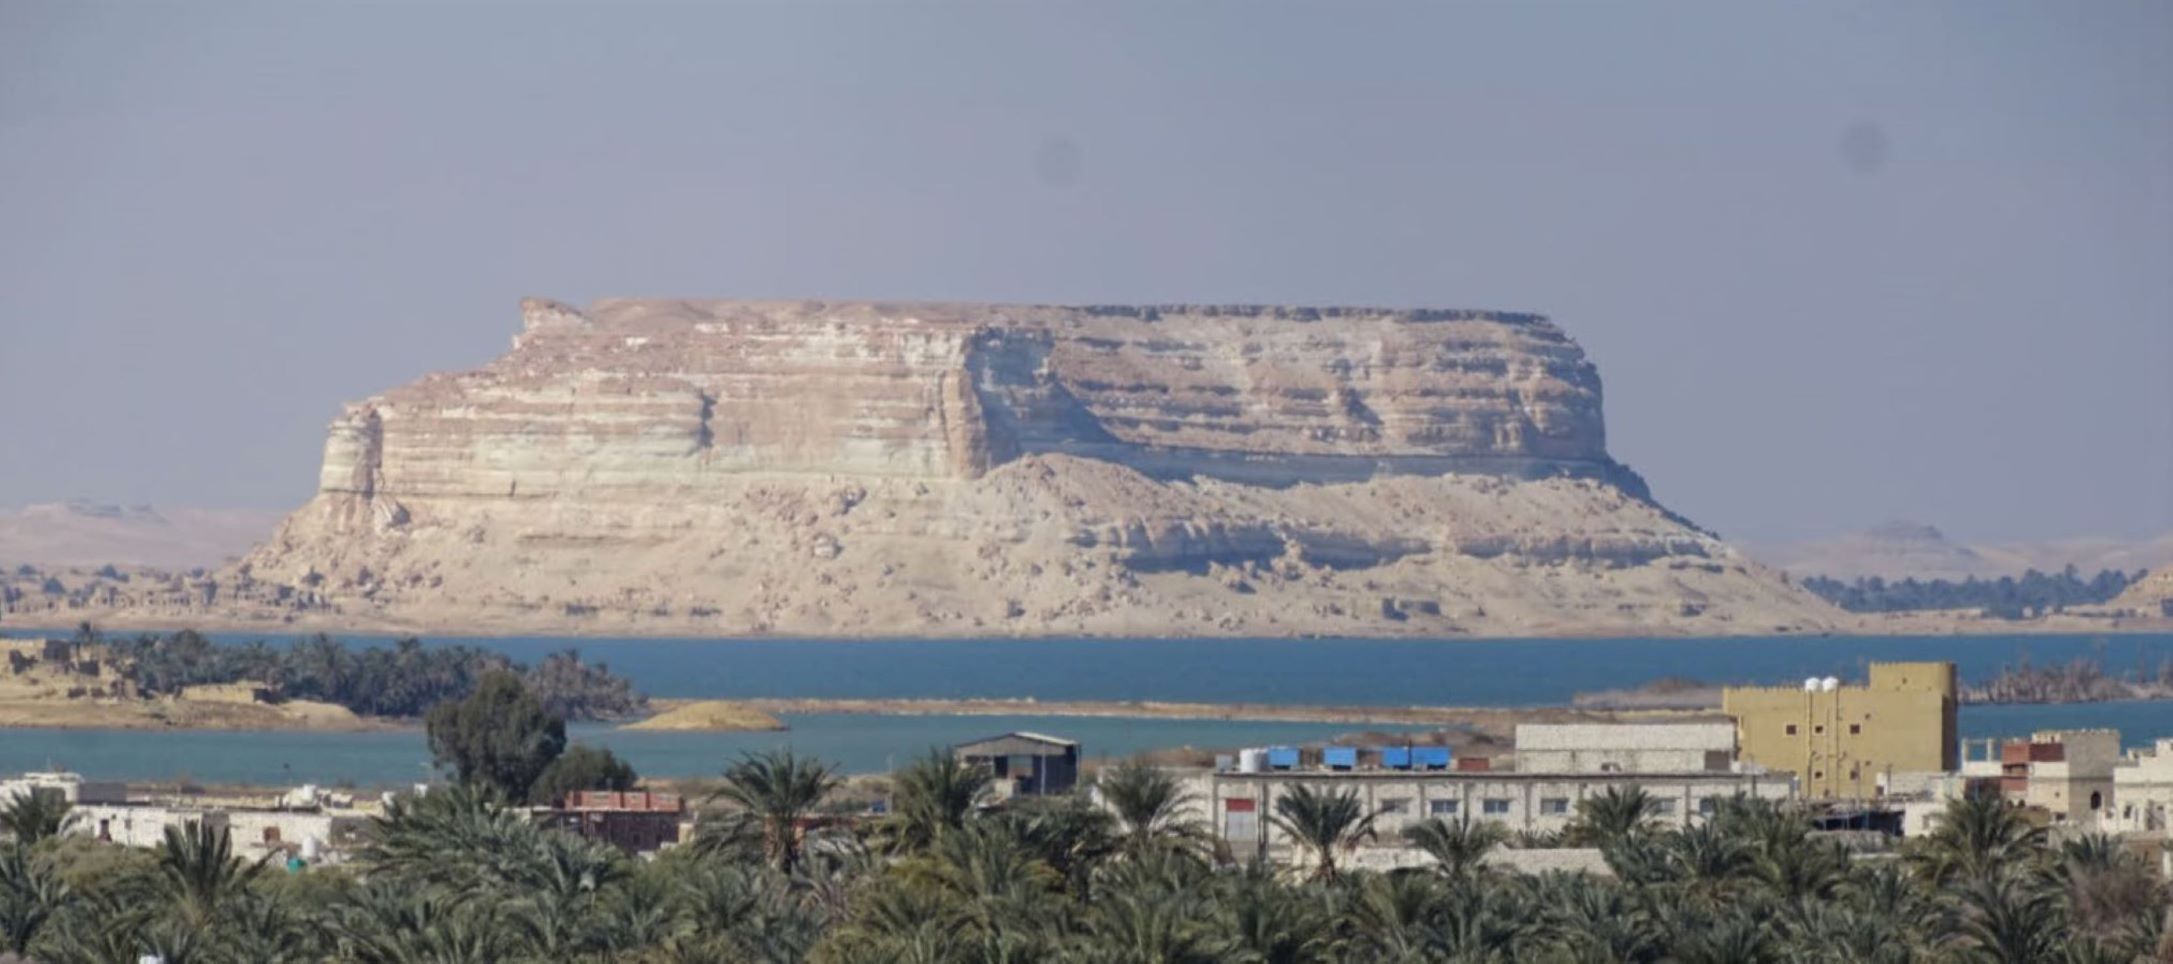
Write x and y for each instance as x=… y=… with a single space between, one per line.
x=184 y=679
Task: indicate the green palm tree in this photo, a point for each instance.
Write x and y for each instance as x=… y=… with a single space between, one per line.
x=983 y=863
x=388 y=923
x=1590 y=919
x=1391 y=917
x=100 y=929
x=199 y=873
x=1323 y=823
x=31 y=894
x=1483 y=924
x=1610 y=816
x=1151 y=805
x=1129 y=928
x=931 y=796
x=1459 y=849
x=2012 y=920
x=1977 y=836
x=1784 y=854
x=1273 y=924
x=778 y=789
x=262 y=928
x=1706 y=862
x=2109 y=892
x=32 y=816
x=561 y=882
x=1736 y=936
x=1070 y=833
x=1826 y=932
x=463 y=838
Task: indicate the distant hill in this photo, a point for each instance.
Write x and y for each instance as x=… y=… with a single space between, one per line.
x=844 y=469
x=92 y=534
x=1902 y=550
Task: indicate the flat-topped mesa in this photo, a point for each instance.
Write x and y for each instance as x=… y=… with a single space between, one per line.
x=635 y=394
x=876 y=468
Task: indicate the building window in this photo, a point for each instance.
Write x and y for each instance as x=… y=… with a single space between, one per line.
x=1821 y=728
x=1554 y=805
x=1664 y=807
x=2097 y=800
x=1706 y=805
x=1396 y=805
x=1494 y=806
x=1856 y=729
x=1791 y=729
x=1441 y=808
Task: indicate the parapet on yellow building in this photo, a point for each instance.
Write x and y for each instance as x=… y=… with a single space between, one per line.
x=1841 y=741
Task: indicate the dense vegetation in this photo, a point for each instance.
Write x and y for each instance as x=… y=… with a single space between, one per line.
x=405 y=679
x=2007 y=597
x=2080 y=680
x=502 y=738
x=456 y=877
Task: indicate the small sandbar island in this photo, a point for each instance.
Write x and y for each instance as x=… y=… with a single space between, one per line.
x=706 y=715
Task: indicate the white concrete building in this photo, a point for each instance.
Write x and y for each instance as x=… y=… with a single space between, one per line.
x=2143 y=790
x=137 y=825
x=1626 y=747
x=67 y=786
x=1237 y=806
x=318 y=836
x=2066 y=773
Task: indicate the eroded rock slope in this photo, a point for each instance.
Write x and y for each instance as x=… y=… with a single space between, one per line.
x=896 y=469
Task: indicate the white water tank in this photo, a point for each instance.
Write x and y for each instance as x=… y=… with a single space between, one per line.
x=311 y=847
x=1250 y=760
x=1810 y=684
x=1829 y=684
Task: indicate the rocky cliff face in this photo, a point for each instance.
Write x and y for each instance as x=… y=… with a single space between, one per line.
x=865 y=468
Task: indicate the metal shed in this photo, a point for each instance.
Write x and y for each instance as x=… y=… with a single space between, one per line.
x=1025 y=764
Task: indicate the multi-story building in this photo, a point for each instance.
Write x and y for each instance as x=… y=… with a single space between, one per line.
x=1844 y=741
x=1238 y=805
x=2143 y=790
x=2066 y=773
x=1683 y=747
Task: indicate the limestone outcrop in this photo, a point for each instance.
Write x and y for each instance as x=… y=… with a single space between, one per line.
x=856 y=468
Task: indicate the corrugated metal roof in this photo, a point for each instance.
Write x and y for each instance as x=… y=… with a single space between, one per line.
x=1010 y=744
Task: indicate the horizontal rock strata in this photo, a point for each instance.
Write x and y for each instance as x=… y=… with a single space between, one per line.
x=858 y=468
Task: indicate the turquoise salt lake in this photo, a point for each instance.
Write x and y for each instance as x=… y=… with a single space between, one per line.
x=1295 y=672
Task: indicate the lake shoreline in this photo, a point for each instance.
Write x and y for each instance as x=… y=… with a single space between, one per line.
x=177 y=714
x=1926 y=625
x=1471 y=717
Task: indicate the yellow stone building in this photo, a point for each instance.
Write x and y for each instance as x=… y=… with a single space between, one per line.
x=1841 y=741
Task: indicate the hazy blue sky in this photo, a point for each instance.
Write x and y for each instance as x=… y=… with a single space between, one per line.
x=1838 y=263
